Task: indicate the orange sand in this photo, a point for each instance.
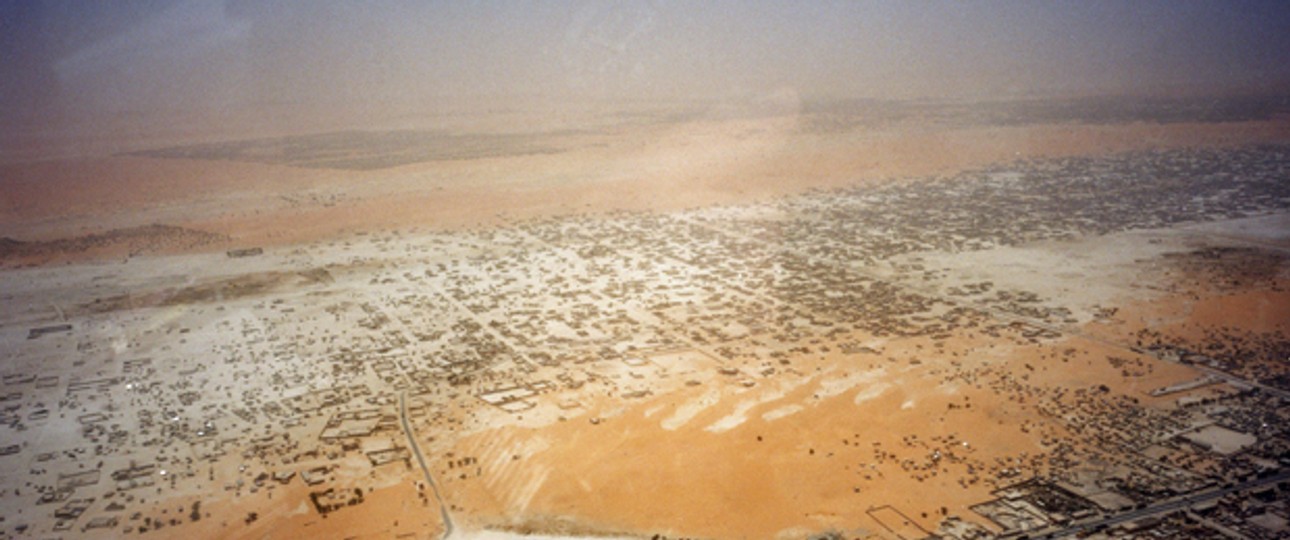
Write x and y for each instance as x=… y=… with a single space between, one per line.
x=650 y=167
x=813 y=471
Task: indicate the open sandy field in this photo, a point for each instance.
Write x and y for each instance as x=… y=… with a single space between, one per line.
x=667 y=160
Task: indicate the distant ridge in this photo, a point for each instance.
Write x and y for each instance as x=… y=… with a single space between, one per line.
x=368 y=150
x=143 y=239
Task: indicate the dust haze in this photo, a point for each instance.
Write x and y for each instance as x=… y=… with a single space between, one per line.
x=241 y=68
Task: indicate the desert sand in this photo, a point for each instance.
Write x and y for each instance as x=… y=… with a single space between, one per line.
x=656 y=166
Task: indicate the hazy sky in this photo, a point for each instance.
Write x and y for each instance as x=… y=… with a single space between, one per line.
x=87 y=57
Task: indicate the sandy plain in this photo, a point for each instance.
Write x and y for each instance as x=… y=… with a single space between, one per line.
x=707 y=158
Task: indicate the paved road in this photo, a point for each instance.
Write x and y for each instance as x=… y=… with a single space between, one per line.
x=1161 y=508
x=416 y=450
